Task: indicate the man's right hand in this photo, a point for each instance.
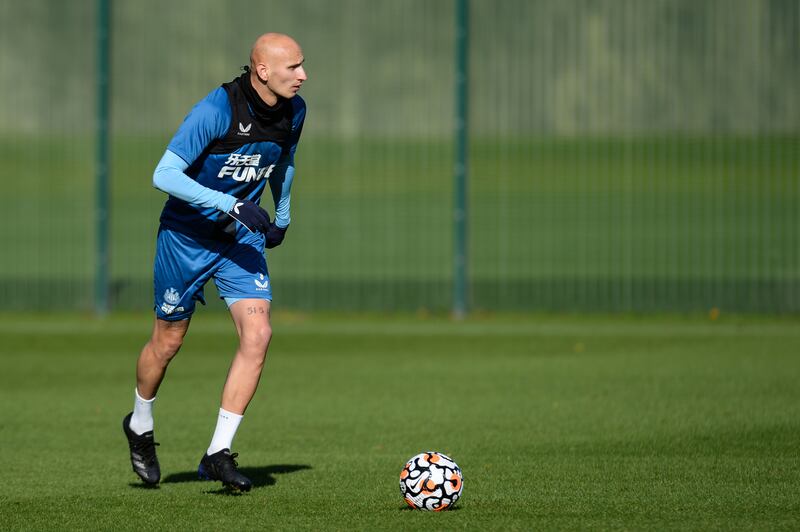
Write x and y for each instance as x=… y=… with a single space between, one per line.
x=250 y=215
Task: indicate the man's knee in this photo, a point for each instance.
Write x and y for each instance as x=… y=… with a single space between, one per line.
x=167 y=341
x=255 y=340
x=166 y=348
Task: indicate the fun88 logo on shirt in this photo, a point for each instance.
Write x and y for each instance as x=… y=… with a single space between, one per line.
x=242 y=167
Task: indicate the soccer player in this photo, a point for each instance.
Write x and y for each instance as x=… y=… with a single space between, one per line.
x=234 y=142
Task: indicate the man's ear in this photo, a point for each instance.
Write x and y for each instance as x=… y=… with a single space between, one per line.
x=262 y=71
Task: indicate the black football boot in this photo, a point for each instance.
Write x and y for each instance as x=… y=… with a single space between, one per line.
x=143 y=453
x=222 y=466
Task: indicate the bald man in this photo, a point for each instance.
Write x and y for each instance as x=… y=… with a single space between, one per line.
x=234 y=142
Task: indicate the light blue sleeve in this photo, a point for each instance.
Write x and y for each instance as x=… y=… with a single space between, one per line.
x=280 y=184
x=169 y=178
x=280 y=181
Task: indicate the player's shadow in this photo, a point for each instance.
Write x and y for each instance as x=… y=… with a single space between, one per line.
x=260 y=476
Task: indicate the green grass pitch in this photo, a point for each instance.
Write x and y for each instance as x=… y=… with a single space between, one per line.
x=558 y=422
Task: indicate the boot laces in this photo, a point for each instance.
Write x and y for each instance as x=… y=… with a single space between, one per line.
x=146 y=448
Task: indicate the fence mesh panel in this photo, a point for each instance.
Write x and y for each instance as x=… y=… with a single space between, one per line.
x=624 y=155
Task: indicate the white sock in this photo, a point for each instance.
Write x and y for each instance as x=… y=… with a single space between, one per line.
x=142 y=419
x=227 y=424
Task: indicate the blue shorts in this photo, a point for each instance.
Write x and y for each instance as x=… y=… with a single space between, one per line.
x=184 y=264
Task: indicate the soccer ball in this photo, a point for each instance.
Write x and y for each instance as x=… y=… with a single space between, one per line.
x=431 y=481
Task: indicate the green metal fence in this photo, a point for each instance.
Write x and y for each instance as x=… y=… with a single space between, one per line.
x=623 y=155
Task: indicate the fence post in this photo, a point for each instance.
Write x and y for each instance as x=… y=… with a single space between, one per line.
x=460 y=272
x=101 y=281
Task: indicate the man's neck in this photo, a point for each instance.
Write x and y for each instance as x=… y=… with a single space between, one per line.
x=266 y=95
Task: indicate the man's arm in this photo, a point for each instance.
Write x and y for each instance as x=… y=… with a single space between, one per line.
x=169 y=177
x=280 y=184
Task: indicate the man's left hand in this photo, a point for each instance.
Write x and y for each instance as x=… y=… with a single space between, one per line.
x=275 y=235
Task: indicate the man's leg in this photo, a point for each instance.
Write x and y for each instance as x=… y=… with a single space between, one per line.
x=156 y=355
x=164 y=344
x=251 y=317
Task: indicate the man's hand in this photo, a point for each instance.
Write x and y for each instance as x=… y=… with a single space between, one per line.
x=250 y=215
x=275 y=235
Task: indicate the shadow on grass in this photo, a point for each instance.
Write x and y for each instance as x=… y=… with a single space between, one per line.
x=141 y=486
x=407 y=508
x=260 y=476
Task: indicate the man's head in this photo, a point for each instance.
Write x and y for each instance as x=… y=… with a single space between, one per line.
x=276 y=67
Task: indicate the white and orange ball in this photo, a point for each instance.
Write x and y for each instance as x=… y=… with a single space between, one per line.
x=431 y=481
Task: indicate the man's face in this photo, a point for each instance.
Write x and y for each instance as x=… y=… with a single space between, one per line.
x=286 y=73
